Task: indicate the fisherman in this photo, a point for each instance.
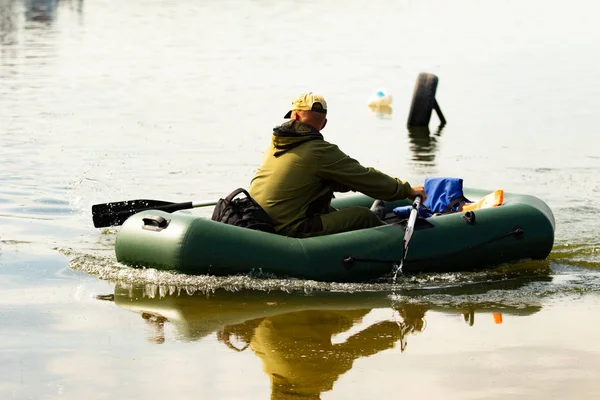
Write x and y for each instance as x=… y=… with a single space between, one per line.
x=300 y=171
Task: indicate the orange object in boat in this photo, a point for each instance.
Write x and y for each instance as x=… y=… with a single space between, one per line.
x=493 y=199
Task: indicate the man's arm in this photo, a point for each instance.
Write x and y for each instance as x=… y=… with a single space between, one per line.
x=338 y=167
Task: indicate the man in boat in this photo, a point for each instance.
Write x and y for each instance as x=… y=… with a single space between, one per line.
x=300 y=171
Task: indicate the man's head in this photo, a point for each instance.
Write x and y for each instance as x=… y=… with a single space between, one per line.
x=309 y=108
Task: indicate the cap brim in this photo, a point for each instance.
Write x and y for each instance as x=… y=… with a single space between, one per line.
x=288 y=115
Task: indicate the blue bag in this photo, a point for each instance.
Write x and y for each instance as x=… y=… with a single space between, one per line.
x=444 y=195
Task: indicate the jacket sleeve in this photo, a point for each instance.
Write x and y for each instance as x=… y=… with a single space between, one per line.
x=337 y=166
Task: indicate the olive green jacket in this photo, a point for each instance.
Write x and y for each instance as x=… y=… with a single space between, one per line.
x=300 y=171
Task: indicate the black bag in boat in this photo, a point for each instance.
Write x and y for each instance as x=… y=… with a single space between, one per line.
x=244 y=212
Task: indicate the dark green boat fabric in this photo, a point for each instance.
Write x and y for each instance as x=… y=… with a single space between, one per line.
x=522 y=228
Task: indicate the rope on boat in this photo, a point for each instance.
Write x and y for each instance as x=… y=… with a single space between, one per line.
x=350 y=260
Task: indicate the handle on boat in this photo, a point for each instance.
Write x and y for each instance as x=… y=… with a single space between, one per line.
x=113 y=214
x=410 y=226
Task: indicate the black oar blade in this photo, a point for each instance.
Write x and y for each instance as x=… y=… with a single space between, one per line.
x=112 y=214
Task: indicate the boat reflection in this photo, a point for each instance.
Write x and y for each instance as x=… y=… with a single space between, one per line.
x=305 y=342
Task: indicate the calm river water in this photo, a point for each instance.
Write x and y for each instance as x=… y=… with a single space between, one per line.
x=175 y=100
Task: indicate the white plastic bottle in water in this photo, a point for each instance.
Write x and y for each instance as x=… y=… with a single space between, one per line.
x=380 y=99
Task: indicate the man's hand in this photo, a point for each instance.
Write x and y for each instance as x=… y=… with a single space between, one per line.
x=417 y=191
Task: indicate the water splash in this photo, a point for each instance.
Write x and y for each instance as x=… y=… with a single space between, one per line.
x=397 y=268
x=170 y=282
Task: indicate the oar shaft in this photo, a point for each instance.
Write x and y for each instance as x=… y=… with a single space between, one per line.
x=172 y=207
x=410 y=226
x=204 y=203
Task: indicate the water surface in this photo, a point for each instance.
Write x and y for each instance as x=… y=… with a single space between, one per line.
x=106 y=101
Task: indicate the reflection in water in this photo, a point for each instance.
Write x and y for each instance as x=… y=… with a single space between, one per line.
x=40 y=10
x=156 y=324
x=382 y=112
x=28 y=44
x=297 y=351
x=305 y=342
x=8 y=23
x=423 y=144
x=34 y=11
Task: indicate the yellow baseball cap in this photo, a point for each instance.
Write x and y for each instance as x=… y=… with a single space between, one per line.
x=307 y=102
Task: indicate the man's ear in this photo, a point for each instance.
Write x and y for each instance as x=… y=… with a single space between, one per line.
x=324 y=123
x=295 y=116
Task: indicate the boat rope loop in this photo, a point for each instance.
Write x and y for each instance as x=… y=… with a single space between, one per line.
x=350 y=260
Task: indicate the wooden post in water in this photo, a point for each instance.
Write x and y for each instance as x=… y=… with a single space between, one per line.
x=438 y=111
x=424 y=102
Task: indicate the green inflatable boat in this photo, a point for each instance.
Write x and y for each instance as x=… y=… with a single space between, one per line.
x=522 y=227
